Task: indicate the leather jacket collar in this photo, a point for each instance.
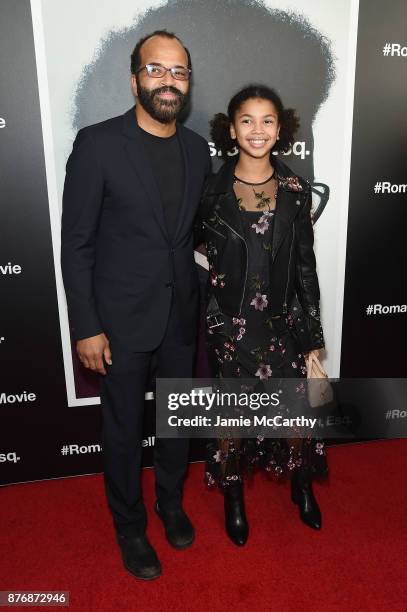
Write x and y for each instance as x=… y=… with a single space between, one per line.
x=222 y=181
x=291 y=191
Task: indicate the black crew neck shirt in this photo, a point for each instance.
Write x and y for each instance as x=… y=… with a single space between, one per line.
x=167 y=163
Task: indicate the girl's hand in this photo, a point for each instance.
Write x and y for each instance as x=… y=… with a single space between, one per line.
x=314 y=353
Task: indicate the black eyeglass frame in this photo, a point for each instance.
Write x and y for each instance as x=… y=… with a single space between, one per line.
x=172 y=70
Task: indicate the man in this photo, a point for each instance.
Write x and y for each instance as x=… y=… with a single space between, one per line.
x=132 y=189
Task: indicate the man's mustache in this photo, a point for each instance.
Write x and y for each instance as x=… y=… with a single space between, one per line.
x=167 y=89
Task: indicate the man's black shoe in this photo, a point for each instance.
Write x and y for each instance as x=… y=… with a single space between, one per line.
x=178 y=528
x=139 y=557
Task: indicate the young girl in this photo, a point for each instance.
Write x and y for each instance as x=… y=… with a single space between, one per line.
x=263 y=294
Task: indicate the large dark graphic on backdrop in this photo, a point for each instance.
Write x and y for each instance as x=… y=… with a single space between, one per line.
x=232 y=44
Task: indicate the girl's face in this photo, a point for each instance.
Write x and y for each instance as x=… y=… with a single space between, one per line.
x=255 y=127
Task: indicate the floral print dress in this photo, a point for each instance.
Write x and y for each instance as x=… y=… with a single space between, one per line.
x=257 y=345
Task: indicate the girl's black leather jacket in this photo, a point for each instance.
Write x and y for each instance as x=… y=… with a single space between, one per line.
x=294 y=281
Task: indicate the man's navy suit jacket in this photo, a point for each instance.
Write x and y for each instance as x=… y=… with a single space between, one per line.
x=119 y=265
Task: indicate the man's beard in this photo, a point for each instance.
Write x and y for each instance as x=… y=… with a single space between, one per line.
x=164 y=111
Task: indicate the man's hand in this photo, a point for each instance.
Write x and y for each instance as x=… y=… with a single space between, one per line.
x=91 y=352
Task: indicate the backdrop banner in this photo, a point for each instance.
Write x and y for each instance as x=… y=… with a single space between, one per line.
x=375 y=308
x=65 y=65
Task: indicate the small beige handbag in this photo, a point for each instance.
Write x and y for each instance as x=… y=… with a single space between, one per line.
x=319 y=392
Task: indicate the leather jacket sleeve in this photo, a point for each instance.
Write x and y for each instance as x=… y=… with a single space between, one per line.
x=307 y=286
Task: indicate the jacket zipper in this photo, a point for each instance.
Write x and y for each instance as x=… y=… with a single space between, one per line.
x=247 y=259
x=285 y=307
x=213 y=230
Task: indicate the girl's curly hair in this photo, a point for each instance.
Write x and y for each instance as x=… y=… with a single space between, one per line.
x=287 y=118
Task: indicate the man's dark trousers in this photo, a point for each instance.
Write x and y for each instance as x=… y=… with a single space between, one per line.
x=128 y=275
x=122 y=396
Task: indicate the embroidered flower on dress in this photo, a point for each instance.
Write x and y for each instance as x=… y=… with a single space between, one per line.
x=261 y=226
x=217 y=279
x=291 y=464
x=220 y=456
x=259 y=302
x=319 y=448
x=264 y=371
x=210 y=481
x=290 y=182
x=233 y=477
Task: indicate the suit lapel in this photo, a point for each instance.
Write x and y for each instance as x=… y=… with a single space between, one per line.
x=187 y=155
x=138 y=159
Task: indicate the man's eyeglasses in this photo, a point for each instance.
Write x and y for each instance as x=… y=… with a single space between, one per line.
x=157 y=71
